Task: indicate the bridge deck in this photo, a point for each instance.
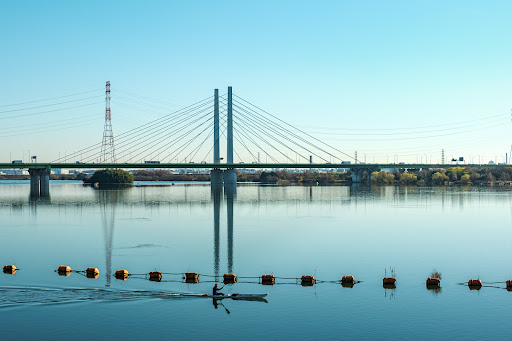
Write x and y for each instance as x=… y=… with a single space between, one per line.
x=231 y=165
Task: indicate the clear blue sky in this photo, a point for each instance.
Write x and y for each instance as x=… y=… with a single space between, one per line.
x=353 y=73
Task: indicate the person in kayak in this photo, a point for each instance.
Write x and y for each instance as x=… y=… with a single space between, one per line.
x=216 y=290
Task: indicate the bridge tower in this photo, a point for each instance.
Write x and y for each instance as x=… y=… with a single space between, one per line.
x=230 y=173
x=216 y=177
x=107 y=154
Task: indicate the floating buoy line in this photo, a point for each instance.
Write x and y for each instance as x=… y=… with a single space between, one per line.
x=432 y=283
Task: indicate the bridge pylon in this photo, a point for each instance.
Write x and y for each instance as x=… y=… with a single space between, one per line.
x=227 y=177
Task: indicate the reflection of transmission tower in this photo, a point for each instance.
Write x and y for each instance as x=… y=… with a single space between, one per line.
x=107 y=145
x=108 y=201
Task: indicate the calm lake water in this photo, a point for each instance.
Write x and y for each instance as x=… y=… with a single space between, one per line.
x=463 y=232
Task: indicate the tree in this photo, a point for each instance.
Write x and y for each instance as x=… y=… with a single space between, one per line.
x=111 y=177
x=439 y=178
x=408 y=178
x=382 y=177
x=465 y=179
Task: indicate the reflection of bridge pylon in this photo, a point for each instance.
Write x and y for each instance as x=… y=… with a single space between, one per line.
x=229 y=194
x=108 y=201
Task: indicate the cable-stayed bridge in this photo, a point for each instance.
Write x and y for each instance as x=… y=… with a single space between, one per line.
x=221 y=133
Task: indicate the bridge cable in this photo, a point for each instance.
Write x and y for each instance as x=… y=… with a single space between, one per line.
x=255 y=125
x=294 y=127
x=287 y=138
x=131 y=131
x=293 y=134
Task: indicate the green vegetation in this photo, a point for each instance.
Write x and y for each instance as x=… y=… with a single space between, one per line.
x=453 y=175
x=383 y=177
x=110 y=177
x=163 y=175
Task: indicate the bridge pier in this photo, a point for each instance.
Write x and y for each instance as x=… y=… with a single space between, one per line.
x=39 y=182
x=230 y=177
x=44 y=183
x=357 y=174
x=34 y=182
x=216 y=177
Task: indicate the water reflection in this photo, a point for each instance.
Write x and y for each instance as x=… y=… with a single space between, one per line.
x=217 y=192
x=108 y=200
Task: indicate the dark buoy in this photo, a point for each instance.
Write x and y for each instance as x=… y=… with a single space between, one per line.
x=475 y=284
x=389 y=282
x=92 y=273
x=509 y=285
x=155 y=276
x=268 y=280
x=191 y=277
x=229 y=278
x=348 y=279
x=64 y=270
x=122 y=274
x=307 y=281
x=433 y=282
x=10 y=269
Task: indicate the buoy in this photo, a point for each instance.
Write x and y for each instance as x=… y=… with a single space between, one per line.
x=92 y=273
x=268 y=280
x=155 y=276
x=509 y=284
x=122 y=274
x=348 y=279
x=64 y=270
x=229 y=278
x=475 y=284
x=389 y=282
x=433 y=282
x=10 y=269
x=307 y=280
x=191 y=277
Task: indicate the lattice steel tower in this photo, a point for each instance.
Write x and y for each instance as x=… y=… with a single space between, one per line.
x=107 y=145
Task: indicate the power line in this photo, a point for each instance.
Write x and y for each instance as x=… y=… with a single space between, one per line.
x=47 y=99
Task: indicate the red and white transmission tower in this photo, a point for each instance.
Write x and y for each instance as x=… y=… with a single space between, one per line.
x=107 y=145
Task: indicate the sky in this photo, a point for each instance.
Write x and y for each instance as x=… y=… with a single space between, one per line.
x=396 y=81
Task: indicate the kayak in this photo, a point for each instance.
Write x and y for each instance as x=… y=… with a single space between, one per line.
x=233 y=296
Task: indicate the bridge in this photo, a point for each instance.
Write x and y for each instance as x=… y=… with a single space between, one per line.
x=170 y=141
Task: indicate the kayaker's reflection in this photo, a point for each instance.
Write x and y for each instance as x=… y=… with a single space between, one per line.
x=217 y=302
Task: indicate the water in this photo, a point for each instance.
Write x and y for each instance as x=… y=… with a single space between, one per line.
x=288 y=231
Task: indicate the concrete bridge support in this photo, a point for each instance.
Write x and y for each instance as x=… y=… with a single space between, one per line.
x=230 y=177
x=357 y=174
x=39 y=182
x=216 y=177
x=44 y=183
x=34 y=182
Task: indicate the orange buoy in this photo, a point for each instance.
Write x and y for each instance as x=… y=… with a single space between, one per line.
x=10 y=269
x=92 y=272
x=348 y=279
x=122 y=274
x=191 y=277
x=63 y=269
x=433 y=281
x=389 y=282
x=307 y=280
x=268 y=280
x=229 y=278
x=475 y=284
x=155 y=276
